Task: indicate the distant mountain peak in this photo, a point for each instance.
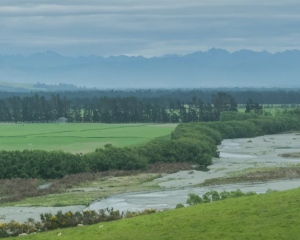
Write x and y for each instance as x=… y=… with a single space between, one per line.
x=47 y=53
x=217 y=51
x=243 y=51
x=50 y=53
x=292 y=51
x=266 y=52
x=170 y=55
x=215 y=67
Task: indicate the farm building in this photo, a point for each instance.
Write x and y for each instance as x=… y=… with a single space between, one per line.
x=62 y=120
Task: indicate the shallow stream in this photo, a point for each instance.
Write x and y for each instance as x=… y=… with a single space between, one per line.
x=236 y=155
x=168 y=199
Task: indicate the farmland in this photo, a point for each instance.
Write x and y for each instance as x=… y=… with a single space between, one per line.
x=11 y=86
x=159 y=170
x=271 y=109
x=78 y=138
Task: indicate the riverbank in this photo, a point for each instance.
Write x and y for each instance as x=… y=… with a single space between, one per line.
x=269 y=216
x=237 y=157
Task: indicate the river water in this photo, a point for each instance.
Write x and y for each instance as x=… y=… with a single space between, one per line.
x=235 y=156
x=168 y=199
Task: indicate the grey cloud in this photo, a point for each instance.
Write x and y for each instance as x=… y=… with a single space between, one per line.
x=156 y=27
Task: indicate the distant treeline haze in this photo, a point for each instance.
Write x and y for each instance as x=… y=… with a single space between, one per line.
x=113 y=110
x=241 y=95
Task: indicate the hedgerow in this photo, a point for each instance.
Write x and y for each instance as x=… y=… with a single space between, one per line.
x=214 y=196
x=189 y=142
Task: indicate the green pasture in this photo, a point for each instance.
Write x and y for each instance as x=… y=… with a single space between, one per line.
x=76 y=138
x=277 y=108
x=270 y=110
x=28 y=86
x=265 y=216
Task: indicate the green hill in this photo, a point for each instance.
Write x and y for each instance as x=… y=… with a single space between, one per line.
x=268 y=216
x=13 y=87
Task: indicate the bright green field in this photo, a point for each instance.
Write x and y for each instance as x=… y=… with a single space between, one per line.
x=273 y=111
x=263 y=217
x=18 y=85
x=27 y=86
x=81 y=137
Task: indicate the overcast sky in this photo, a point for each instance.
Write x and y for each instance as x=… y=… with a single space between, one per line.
x=147 y=27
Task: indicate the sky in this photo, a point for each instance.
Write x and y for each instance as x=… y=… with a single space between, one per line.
x=147 y=27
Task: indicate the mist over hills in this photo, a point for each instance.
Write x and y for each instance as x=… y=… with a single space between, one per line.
x=213 y=68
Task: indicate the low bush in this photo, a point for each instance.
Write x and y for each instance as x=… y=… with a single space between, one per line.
x=290 y=155
x=13 y=190
x=238 y=116
x=214 y=196
x=181 y=150
x=194 y=199
x=270 y=191
x=257 y=176
x=179 y=205
x=66 y=220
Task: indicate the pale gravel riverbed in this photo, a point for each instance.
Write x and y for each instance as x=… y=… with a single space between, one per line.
x=236 y=155
x=168 y=199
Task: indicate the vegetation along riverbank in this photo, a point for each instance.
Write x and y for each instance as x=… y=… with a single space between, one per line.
x=189 y=142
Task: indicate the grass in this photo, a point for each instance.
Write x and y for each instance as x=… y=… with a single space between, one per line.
x=255 y=175
x=17 y=85
x=76 y=138
x=290 y=155
x=219 y=169
x=269 y=216
x=28 y=86
x=83 y=188
x=272 y=111
x=251 y=170
x=87 y=192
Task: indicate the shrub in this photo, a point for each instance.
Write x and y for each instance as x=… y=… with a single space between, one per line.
x=181 y=150
x=224 y=195
x=270 y=191
x=237 y=116
x=17 y=189
x=65 y=220
x=179 y=205
x=194 y=199
x=213 y=196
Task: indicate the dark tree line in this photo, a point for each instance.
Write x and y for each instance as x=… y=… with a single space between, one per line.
x=113 y=110
x=241 y=95
x=251 y=106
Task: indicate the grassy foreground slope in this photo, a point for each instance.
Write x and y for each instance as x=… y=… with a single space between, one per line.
x=269 y=216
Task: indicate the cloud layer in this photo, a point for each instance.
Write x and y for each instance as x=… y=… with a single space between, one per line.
x=149 y=28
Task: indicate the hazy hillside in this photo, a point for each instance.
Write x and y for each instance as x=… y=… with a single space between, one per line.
x=214 y=68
